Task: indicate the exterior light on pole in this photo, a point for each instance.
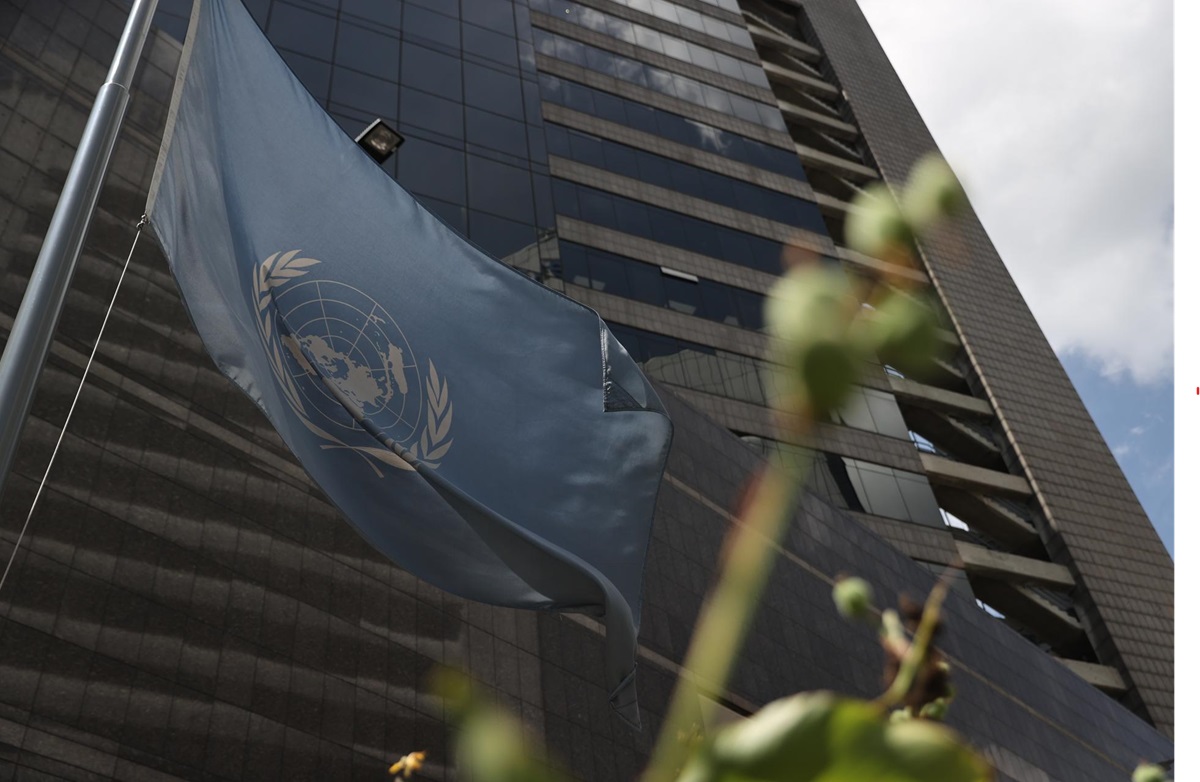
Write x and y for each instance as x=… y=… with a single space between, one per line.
x=379 y=140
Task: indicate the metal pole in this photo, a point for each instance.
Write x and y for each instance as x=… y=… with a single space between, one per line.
x=33 y=330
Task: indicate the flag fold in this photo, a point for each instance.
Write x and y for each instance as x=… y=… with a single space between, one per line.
x=480 y=430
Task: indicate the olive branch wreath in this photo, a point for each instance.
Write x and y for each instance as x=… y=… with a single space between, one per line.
x=435 y=441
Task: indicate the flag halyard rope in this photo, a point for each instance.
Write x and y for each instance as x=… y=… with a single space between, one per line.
x=74 y=402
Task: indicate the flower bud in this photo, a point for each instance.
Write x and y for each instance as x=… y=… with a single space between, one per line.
x=876 y=226
x=932 y=192
x=904 y=334
x=853 y=598
x=809 y=313
x=935 y=710
x=1148 y=772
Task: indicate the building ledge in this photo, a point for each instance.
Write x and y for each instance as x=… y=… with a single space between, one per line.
x=934 y=398
x=1102 y=677
x=1011 y=567
x=840 y=165
x=799 y=80
x=780 y=41
x=812 y=118
x=948 y=472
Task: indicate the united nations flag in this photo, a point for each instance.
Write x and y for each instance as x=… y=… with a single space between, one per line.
x=482 y=431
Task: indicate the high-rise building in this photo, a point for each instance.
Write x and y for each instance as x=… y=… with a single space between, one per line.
x=185 y=603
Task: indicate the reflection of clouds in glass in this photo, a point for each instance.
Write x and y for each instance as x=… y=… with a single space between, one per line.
x=711 y=137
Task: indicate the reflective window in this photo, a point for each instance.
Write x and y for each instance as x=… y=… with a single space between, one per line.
x=495 y=132
x=365 y=50
x=490 y=89
x=490 y=14
x=691 y=365
x=873 y=411
x=657 y=79
x=499 y=189
x=489 y=45
x=443 y=117
x=852 y=484
x=360 y=91
x=386 y=12
x=654 y=40
x=690 y=180
x=667 y=227
x=423 y=24
x=671 y=126
x=499 y=236
x=432 y=72
x=303 y=31
x=668 y=12
x=433 y=170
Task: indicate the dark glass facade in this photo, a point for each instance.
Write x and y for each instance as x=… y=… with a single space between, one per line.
x=187 y=605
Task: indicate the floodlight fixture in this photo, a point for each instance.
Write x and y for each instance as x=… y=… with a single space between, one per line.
x=379 y=140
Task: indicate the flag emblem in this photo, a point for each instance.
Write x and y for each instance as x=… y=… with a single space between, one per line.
x=322 y=333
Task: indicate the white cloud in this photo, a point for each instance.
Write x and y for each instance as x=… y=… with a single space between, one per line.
x=1059 y=119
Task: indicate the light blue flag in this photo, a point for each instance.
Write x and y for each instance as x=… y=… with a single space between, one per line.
x=482 y=431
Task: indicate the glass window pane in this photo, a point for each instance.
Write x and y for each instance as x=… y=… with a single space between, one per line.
x=372 y=95
x=432 y=72
x=702 y=369
x=433 y=170
x=682 y=295
x=365 y=50
x=882 y=491
x=420 y=23
x=499 y=189
x=886 y=413
x=717 y=303
x=490 y=14
x=574 y=265
x=646 y=282
x=444 y=117
x=741 y=378
x=496 y=132
x=608 y=274
x=486 y=43
x=855 y=412
x=382 y=11
x=490 y=89
x=303 y=31
x=920 y=500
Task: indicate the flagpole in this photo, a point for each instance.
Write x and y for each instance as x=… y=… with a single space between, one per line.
x=33 y=330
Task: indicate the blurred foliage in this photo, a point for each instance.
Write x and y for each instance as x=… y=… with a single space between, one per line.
x=824 y=330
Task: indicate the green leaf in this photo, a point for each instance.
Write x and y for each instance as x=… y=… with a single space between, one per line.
x=809 y=312
x=932 y=192
x=818 y=737
x=876 y=226
x=904 y=334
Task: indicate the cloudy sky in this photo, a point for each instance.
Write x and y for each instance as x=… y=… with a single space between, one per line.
x=1058 y=117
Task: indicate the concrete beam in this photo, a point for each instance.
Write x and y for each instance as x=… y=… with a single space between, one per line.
x=948 y=472
x=953 y=437
x=1011 y=567
x=856 y=172
x=776 y=40
x=892 y=269
x=934 y=398
x=1103 y=677
x=831 y=204
x=1024 y=607
x=799 y=80
x=988 y=516
x=813 y=118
